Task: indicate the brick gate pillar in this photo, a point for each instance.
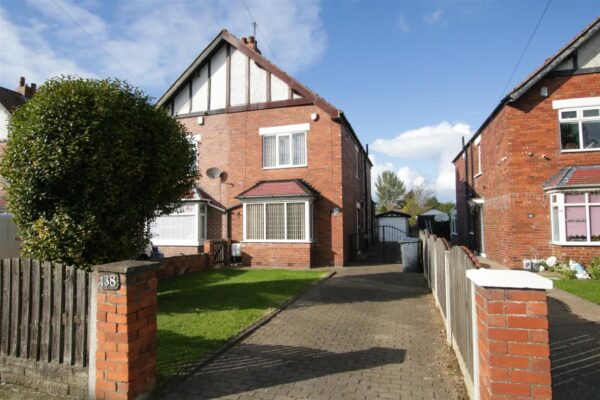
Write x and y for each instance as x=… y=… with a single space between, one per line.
x=123 y=354
x=512 y=351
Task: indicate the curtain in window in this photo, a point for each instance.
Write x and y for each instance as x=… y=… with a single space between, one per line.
x=299 y=149
x=595 y=223
x=275 y=221
x=269 y=151
x=284 y=150
x=255 y=228
x=174 y=227
x=576 y=223
x=295 y=221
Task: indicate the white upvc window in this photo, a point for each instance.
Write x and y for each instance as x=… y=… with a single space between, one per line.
x=278 y=221
x=579 y=129
x=479 y=166
x=184 y=227
x=575 y=218
x=284 y=146
x=453 y=230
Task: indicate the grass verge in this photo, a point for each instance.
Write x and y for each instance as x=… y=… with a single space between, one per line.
x=200 y=311
x=587 y=289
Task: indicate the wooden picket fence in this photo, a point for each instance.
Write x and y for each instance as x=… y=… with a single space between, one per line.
x=44 y=311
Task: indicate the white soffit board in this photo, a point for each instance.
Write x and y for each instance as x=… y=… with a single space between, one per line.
x=284 y=129
x=579 y=102
x=509 y=279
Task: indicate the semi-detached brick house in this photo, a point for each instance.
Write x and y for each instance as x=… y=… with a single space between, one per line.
x=283 y=172
x=528 y=182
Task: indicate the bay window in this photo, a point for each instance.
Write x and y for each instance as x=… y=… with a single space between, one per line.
x=285 y=146
x=184 y=227
x=575 y=217
x=278 y=221
x=579 y=129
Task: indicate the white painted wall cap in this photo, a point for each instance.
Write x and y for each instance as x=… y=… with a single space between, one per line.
x=508 y=279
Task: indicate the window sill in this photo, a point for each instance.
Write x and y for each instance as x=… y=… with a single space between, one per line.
x=574 y=244
x=288 y=166
x=279 y=241
x=579 y=150
x=168 y=242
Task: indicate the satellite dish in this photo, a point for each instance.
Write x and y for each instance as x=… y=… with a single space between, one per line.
x=213 y=172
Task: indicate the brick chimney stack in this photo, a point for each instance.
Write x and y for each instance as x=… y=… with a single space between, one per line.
x=250 y=42
x=26 y=90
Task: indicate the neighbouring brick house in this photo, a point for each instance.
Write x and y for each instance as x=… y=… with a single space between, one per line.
x=283 y=172
x=528 y=181
x=9 y=101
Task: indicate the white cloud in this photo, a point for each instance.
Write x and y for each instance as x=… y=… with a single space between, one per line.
x=25 y=52
x=424 y=143
x=150 y=42
x=434 y=18
x=437 y=144
x=402 y=23
x=410 y=178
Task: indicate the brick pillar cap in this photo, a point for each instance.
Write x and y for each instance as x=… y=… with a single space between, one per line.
x=127 y=267
x=508 y=279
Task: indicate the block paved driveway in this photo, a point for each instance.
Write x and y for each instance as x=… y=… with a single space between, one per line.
x=366 y=333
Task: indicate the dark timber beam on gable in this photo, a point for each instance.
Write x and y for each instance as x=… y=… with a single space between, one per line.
x=249 y=107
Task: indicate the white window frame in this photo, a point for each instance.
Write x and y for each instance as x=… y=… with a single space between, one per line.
x=200 y=208
x=579 y=119
x=307 y=219
x=479 y=167
x=356 y=158
x=453 y=216
x=557 y=199
x=286 y=130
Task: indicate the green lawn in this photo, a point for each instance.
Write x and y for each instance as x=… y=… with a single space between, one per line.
x=200 y=311
x=587 y=289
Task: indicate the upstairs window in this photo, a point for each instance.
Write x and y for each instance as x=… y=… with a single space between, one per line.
x=579 y=129
x=284 y=146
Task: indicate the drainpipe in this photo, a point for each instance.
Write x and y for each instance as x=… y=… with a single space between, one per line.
x=467 y=195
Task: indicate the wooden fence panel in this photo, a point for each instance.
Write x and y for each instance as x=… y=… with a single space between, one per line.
x=16 y=307
x=44 y=311
x=440 y=249
x=36 y=309
x=461 y=321
x=6 y=305
x=46 y=332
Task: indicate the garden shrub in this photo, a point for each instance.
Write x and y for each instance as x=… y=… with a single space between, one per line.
x=88 y=165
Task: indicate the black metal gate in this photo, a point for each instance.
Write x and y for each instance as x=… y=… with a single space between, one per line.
x=380 y=245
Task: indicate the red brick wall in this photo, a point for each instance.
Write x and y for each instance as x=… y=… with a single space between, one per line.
x=171 y=267
x=232 y=143
x=174 y=251
x=286 y=255
x=514 y=350
x=520 y=151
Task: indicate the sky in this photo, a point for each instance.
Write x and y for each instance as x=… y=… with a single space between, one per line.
x=413 y=77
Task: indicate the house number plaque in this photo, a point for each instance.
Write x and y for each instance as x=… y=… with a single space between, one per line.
x=110 y=281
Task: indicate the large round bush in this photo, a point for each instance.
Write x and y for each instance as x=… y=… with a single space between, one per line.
x=88 y=165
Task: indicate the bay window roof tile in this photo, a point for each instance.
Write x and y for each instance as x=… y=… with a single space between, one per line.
x=575 y=177
x=279 y=188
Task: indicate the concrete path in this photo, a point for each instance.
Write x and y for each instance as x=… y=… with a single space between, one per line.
x=366 y=333
x=574 y=346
